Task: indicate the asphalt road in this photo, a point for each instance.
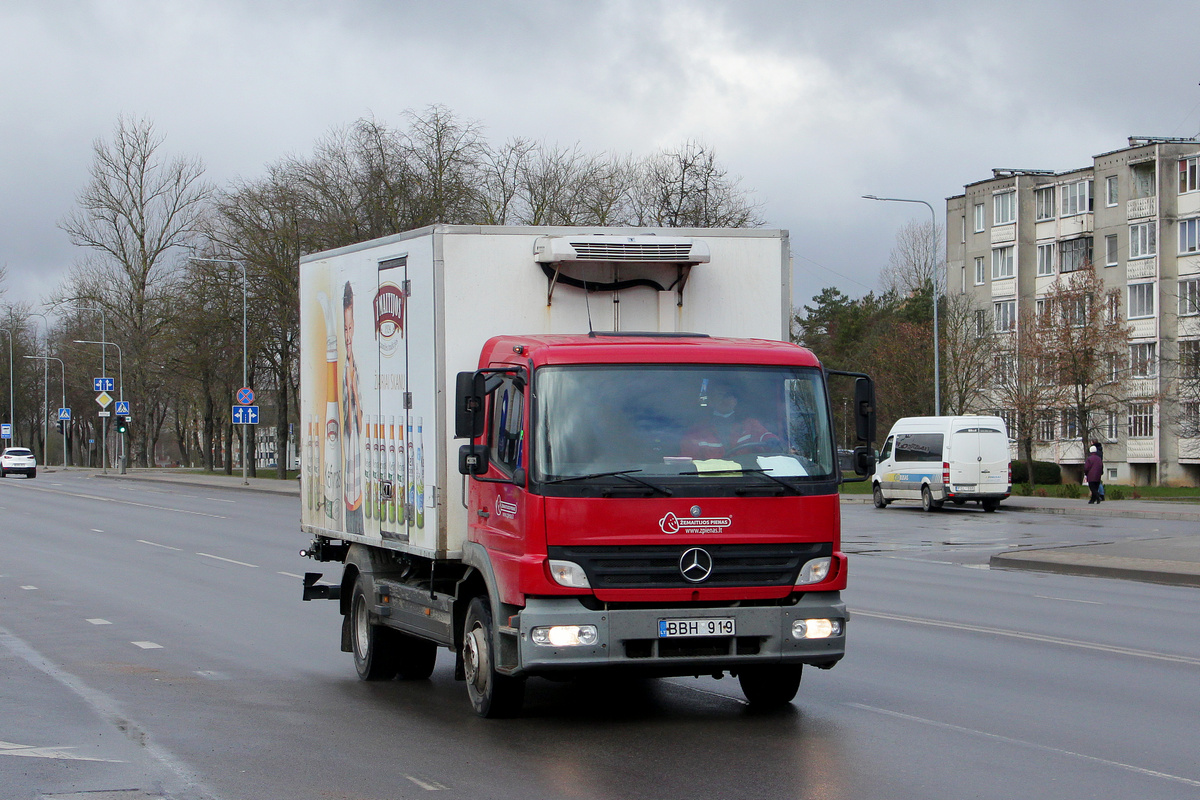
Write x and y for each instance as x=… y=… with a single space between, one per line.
x=152 y=642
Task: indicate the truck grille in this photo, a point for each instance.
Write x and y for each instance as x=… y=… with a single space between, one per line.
x=658 y=567
x=631 y=251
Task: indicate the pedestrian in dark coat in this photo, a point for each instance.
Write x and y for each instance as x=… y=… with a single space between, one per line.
x=1093 y=473
x=1100 y=452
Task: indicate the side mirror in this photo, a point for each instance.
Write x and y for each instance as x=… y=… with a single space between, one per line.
x=864 y=411
x=473 y=459
x=864 y=461
x=470 y=391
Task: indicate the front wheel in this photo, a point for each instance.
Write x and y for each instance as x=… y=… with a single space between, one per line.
x=374 y=645
x=877 y=496
x=492 y=694
x=770 y=685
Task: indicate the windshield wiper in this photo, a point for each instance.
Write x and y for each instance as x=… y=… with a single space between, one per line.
x=747 y=470
x=621 y=473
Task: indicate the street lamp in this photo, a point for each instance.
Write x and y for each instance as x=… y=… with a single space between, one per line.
x=12 y=423
x=64 y=397
x=104 y=374
x=937 y=278
x=245 y=380
x=121 y=384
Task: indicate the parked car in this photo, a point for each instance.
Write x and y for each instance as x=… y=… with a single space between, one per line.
x=19 y=460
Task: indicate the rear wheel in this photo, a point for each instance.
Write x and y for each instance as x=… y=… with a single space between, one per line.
x=374 y=646
x=927 y=501
x=770 y=685
x=877 y=495
x=492 y=694
x=415 y=658
x=991 y=505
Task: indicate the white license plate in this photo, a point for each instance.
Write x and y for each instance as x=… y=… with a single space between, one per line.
x=672 y=628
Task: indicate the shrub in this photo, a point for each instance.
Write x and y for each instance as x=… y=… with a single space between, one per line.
x=1046 y=472
x=1114 y=493
x=1068 y=490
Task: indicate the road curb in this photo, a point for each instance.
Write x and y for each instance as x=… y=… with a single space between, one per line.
x=1119 y=513
x=220 y=483
x=1063 y=562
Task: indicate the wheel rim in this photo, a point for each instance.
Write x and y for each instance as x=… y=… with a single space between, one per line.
x=475 y=659
x=362 y=629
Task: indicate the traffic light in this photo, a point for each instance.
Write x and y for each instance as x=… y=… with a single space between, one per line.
x=122 y=424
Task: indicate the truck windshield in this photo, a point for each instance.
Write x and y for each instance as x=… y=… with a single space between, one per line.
x=682 y=424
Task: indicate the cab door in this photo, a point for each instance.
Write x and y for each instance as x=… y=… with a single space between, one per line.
x=498 y=507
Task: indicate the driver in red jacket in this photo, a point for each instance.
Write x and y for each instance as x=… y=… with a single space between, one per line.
x=726 y=433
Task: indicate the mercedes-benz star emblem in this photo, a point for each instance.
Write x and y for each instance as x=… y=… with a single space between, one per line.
x=695 y=565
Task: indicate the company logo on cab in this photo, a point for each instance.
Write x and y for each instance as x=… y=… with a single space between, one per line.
x=698 y=525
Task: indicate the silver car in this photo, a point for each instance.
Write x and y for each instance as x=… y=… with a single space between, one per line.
x=18 y=460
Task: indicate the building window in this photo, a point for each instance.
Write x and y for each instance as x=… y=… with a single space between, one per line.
x=979 y=217
x=1110 y=191
x=1142 y=242
x=1045 y=253
x=963 y=233
x=1112 y=367
x=1043 y=200
x=980 y=271
x=1189 y=359
x=1188 y=178
x=1142 y=360
x=1144 y=184
x=962 y=279
x=1076 y=310
x=1141 y=420
x=1046 y=426
x=1004 y=206
x=1141 y=300
x=1044 y=311
x=1076 y=198
x=1112 y=307
x=1110 y=250
x=1069 y=429
x=1075 y=254
x=1189 y=236
x=1009 y=416
x=1189 y=423
x=980 y=323
x=1189 y=297
x=1003 y=365
x=1004 y=316
x=1112 y=427
x=1002 y=263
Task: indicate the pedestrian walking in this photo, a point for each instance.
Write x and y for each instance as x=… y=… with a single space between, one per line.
x=1093 y=472
x=1100 y=452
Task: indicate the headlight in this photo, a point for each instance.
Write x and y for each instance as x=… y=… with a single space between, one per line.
x=565 y=635
x=814 y=571
x=816 y=628
x=570 y=574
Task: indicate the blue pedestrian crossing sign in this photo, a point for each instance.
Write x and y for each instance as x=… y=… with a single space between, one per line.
x=122 y=409
x=103 y=384
x=64 y=414
x=245 y=415
x=5 y=431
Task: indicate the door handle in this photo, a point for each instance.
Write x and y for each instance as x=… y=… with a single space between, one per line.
x=483 y=512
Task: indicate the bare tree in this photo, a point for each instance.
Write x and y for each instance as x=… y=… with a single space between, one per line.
x=135 y=209
x=966 y=356
x=916 y=259
x=687 y=188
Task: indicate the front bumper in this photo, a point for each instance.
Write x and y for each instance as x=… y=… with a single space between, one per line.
x=628 y=638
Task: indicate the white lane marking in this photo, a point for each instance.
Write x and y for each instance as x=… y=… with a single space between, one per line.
x=98 y=621
x=29 y=751
x=212 y=674
x=126 y=502
x=1023 y=743
x=163 y=546
x=220 y=500
x=148 y=645
x=229 y=560
x=1068 y=600
x=97 y=530
x=292 y=575
x=28 y=588
x=433 y=786
x=1033 y=637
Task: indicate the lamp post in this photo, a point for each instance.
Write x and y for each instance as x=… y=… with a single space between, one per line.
x=245 y=380
x=64 y=396
x=937 y=280
x=104 y=374
x=120 y=384
x=12 y=423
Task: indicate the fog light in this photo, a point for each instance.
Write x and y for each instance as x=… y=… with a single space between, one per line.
x=814 y=571
x=816 y=628
x=570 y=574
x=566 y=635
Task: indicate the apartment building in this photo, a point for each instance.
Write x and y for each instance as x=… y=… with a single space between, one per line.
x=1135 y=214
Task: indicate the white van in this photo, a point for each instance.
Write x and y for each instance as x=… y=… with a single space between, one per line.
x=935 y=459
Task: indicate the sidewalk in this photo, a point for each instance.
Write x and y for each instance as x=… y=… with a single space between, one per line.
x=1173 y=560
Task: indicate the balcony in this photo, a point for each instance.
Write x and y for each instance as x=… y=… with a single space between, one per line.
x=1141 y=207
x=1003 y=234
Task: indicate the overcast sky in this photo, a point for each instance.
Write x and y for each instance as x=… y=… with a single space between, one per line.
x=813 y=104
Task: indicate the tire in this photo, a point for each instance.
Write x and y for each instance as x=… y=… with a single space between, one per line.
x=927 y=501
x=877 y=496
x=990 y=505
x=33 y=473
x=414 y=658
x=374 y=646
x=770 y=685
x=492 y=695
x=960 y=502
